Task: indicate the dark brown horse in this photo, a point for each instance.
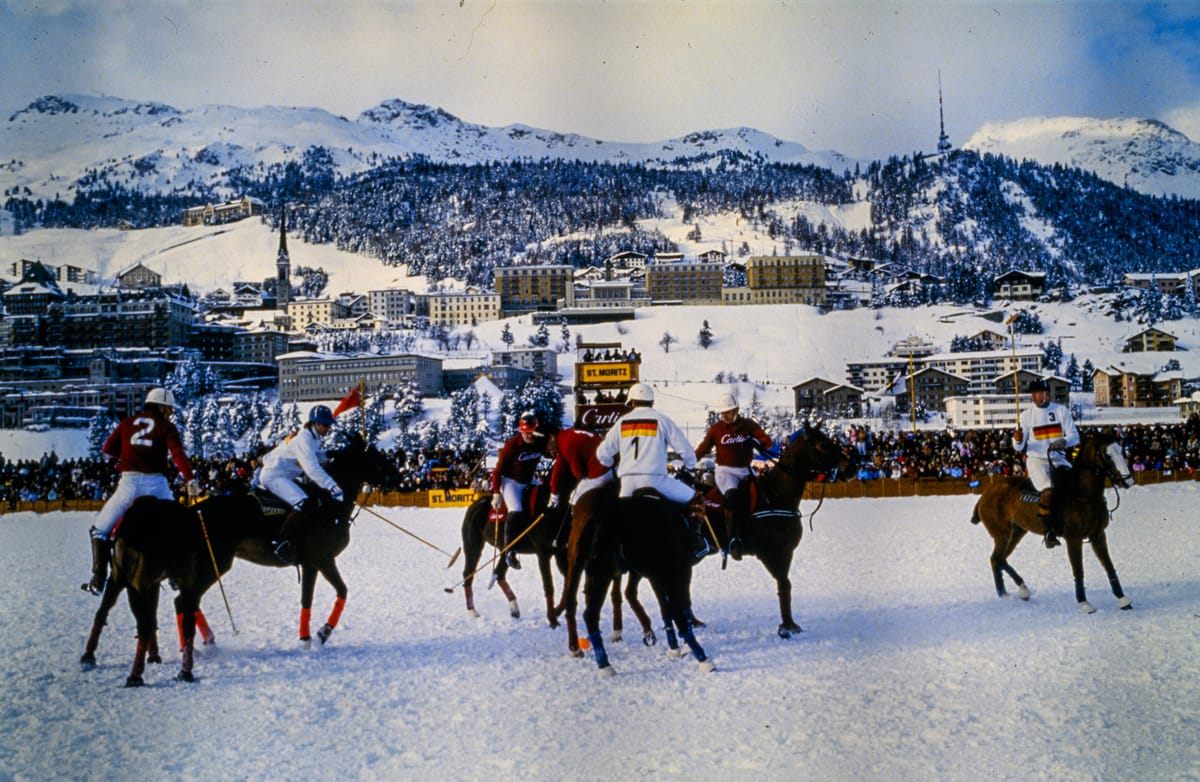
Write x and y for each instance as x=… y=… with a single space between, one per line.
x=580 y=547
x=1008 y=509
x=480 y=527
x=771 y=528
x=160 y=540
x=652 y=536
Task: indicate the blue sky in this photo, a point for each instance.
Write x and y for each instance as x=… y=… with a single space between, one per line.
x=858 y=77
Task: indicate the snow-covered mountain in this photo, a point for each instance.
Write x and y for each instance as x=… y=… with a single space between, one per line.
x=55 y=141
x=1144 y=154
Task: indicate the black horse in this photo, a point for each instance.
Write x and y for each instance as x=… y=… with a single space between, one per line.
x=480 y=526
x=771 y=528
x=651 y=536
x=159 y=540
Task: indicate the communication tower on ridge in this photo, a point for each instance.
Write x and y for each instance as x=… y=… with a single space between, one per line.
x=943 y=144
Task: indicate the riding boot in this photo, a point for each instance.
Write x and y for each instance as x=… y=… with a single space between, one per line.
x=1048 y=518
x=735 y=541
x=284 y=549
x=510 y=557
x=101 y=557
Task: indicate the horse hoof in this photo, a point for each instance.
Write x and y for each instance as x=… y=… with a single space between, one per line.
x=615 y=637
x=324 y=633
x=306 y=643
x=154 y=658
x=606 y=672
x=514 y=610
x=707 y=666
x=1023 y=592
x=673 y=654
x=134 y=681
x=471 y=612
x=1086 y=608
x=1125 y=604
x=185 y=676
x=577 y=653
x=87 y=661
x=649 y=639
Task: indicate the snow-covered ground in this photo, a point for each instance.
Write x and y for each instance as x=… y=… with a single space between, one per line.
x=910 y=667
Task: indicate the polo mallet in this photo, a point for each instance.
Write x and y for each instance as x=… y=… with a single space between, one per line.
x=213 y=558
x=502 y=552
x=1012 y=341
x=453 y=557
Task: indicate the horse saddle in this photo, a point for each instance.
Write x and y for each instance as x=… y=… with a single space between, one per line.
x=268 y=503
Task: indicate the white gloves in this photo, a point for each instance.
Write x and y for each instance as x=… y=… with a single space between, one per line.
x=553 y=503
x=497 y=500
x=336 y=493
x=193 y=488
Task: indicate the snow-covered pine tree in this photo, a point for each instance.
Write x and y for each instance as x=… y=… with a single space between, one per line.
x=99 y=428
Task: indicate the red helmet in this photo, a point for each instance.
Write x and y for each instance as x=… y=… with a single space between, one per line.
x=528 y=422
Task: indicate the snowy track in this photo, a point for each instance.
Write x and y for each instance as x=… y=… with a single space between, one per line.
x=909 y=667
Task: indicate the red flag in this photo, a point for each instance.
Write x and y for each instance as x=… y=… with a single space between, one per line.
x=350 y=400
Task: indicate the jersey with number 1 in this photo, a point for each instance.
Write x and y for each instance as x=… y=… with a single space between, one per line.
x=142 y=442
x=642 y=437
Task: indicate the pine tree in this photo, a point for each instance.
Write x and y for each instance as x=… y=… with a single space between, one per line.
x=506 y=336
x=99 y=428
x=667 y=340
x=705 y=337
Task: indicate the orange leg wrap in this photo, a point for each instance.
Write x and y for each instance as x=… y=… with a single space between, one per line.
x=336 y=613
x=305 y=619
x=206 y=633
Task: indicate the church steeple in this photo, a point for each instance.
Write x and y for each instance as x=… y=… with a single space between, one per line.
x=283 y=264
x=943 y=139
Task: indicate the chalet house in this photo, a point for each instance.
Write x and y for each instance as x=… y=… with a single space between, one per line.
x=817 y=395
x=1060 y=388
x=929 y=386
x=628 y=260
x=990 y=340
x=1149 y=340
x=1020 y=285
x=138 y=276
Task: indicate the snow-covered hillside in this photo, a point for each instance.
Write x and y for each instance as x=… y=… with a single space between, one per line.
x=910 y=668
x=51 y=143
x=1143 y=154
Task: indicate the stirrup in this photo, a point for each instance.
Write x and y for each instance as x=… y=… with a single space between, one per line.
x=1051 y=540
x=283 y=552
x=510 y=558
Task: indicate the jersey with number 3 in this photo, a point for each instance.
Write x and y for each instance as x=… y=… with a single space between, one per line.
x=142 y=442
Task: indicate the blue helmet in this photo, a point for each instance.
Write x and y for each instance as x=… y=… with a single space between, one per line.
x=320 y=414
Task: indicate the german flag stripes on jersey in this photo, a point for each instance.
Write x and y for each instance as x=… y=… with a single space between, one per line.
x=1050 y=431
x=639 y=428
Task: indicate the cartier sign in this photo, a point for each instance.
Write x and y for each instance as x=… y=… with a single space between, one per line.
x=598 y=418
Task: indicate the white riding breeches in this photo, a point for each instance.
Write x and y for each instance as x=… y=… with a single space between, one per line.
x=131 y=486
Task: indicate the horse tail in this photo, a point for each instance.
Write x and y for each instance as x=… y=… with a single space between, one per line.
x=975 y=513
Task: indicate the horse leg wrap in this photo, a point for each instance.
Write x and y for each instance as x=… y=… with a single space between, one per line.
x=689 y=638
x=597 y=642
x=330 y=623
x=305 y=621
x=206 y=633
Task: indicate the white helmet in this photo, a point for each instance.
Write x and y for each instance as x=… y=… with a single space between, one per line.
x=641 y=392
x=725 y=403
x=160 y=396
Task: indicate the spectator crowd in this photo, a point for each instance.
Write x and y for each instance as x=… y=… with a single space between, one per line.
x=940 y=455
